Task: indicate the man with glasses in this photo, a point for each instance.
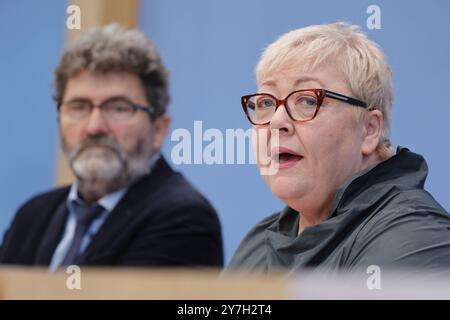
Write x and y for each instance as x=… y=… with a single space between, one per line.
x=127 y=207
x=325 y=92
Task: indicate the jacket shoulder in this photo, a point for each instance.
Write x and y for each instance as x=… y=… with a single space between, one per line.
x=28 y=226
x=35 y=212
x=169 y=223
x=250 y=253
x=413 y=230
x=173 y=193
x=43 y=200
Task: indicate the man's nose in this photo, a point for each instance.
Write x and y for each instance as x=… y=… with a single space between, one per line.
x=97 y=123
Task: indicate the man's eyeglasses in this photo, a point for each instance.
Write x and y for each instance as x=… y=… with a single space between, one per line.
x=301 y=105
x=114 y=109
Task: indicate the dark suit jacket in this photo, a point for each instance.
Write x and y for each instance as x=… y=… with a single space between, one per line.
x=161 y=221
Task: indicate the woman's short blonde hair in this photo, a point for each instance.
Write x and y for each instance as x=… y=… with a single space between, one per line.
x=360 y=60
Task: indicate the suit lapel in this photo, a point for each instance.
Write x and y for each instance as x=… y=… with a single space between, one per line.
x=52 y=235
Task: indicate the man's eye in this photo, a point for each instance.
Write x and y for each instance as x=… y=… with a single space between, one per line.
x=120 y=108
x=78 y=107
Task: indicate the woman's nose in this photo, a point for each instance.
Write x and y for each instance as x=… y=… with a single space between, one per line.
x=282 y=121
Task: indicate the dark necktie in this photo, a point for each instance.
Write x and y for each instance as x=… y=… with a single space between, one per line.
x=84 y=216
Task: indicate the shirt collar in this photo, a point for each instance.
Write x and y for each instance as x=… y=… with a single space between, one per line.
x=108 y=201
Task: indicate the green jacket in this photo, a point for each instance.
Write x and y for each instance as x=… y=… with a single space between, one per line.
x=381 y=216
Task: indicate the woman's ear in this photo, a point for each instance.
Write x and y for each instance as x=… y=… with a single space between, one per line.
x=160 y=128
x=373 y=126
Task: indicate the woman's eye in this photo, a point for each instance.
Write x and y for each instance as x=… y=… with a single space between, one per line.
x=307 y=101
x=265 y=103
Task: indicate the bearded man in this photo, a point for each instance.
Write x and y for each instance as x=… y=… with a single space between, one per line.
x=127 y=206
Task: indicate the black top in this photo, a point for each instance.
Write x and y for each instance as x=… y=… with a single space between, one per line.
x=162 y=220
x=381 y=216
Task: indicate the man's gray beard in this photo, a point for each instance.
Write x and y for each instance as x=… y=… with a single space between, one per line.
x=102 y=170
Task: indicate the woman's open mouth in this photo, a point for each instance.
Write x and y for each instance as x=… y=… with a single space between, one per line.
x=285 y=158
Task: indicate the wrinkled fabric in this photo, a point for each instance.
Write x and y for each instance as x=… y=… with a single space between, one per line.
x=381 y=216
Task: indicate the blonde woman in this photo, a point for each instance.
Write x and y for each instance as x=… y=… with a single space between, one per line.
x=350 y=201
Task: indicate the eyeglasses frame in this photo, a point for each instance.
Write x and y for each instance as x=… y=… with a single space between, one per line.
x=320 y=94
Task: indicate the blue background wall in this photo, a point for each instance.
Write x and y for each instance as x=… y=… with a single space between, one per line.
x=211 y=48
x=31 y=40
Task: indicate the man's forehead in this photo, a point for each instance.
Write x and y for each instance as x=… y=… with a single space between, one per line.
x=103 y=76
x=99 y=86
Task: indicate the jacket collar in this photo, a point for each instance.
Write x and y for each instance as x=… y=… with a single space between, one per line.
x=131 y=204
x=405 y=170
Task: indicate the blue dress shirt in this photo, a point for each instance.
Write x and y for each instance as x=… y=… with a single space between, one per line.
x=108 y=202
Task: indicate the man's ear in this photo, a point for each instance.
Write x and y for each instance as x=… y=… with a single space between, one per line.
x=160 y=128
x=373 y=126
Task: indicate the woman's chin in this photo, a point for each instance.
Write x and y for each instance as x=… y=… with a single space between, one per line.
x=286 y=193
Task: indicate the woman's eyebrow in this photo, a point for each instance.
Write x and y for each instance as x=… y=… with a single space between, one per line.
x=306 y=79
x=272 y=83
